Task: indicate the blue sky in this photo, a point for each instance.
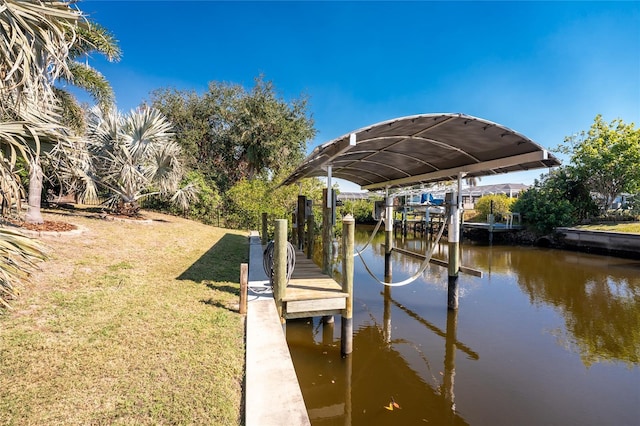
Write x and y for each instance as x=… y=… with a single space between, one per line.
x=544 y=69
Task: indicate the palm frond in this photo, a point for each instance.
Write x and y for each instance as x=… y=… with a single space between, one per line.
x=34 y=45
x=91 y=80
x=93 y=37
x=19 y=255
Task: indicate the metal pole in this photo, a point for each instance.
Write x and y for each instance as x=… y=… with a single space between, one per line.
x=348 y=236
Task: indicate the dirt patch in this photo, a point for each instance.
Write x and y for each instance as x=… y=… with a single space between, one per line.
x=47 y=225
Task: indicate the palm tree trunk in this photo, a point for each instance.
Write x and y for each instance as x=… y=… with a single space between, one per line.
x=35 y=192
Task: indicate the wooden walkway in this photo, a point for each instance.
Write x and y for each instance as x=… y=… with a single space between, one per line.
x=311 y=293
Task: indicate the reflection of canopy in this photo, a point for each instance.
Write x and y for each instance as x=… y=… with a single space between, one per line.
x=424 y=148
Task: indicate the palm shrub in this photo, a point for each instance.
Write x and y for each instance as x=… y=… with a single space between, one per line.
x=134 y=156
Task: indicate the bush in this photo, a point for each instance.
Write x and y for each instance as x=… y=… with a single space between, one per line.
x=557 y=199
x=362 y=210
x=205 y=207
x=501 y=206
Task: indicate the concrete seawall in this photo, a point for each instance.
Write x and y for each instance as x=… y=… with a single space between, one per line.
x=614 y=243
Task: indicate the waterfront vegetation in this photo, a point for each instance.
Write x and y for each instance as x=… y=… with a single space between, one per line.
x=629 y=227
x=127 y=323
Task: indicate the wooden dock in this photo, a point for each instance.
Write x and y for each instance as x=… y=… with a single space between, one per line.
x=310 y=293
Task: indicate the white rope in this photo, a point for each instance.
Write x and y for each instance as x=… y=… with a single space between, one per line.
x=422 y=268
x=373 y=234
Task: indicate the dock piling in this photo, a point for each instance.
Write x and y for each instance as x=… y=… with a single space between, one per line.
x=348 y=237
x=327 y=232
x=310 y=235
x=280 y=263
x=244 y=288
x=264 y=236
x=454 y=250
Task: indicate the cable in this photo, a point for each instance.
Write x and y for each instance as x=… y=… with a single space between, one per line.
x=422 y=268
x=373 y=234
x=267 y=260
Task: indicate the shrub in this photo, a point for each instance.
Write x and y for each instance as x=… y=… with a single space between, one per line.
x=501 y=205
x=362 y=210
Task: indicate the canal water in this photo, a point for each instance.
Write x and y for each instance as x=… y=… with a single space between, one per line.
x=544 y=337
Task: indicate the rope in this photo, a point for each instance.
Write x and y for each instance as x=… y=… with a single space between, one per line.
x=373 y=234
x=267 y=260
x=422 y=268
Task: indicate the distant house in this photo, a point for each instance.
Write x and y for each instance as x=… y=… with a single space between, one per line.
x=354 y=196
x=470 y=195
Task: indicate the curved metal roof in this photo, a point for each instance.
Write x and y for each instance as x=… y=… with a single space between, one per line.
x=424 y=148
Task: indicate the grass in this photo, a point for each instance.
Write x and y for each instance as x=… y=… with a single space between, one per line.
x=629 y=227
x=127 y=323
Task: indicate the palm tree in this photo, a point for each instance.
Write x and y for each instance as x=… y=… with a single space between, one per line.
x=35 y=38
x=68 y=164
x=135 y=156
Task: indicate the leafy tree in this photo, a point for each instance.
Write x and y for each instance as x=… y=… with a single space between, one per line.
x=132 y=154
x=549 y=203
x=249 y=198
x=233 y=134
x=362 y=210
x=196 y=200
x=501 y=205
x=608 y=156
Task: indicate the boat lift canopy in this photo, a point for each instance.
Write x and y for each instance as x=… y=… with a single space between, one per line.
x=424 y=148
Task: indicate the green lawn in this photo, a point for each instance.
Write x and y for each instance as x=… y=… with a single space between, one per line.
x=127 y=323
x=630 y=227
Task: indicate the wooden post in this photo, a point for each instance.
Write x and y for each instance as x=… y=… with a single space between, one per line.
x=294 y=229
x=310 y=235
x=302 y=207
x=244 y=286
x=327 y=233
x=348 y=236
x=264 y=229
x=280 y=264
x=454 y=244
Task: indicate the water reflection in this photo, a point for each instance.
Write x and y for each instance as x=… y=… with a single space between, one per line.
x=548 y=336
x=333 y=388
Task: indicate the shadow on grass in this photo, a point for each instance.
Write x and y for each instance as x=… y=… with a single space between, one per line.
x=220 y=264
x=230 y=306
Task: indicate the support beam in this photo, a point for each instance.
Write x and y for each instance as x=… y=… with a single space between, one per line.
x=327 y=232
x=439 y=175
